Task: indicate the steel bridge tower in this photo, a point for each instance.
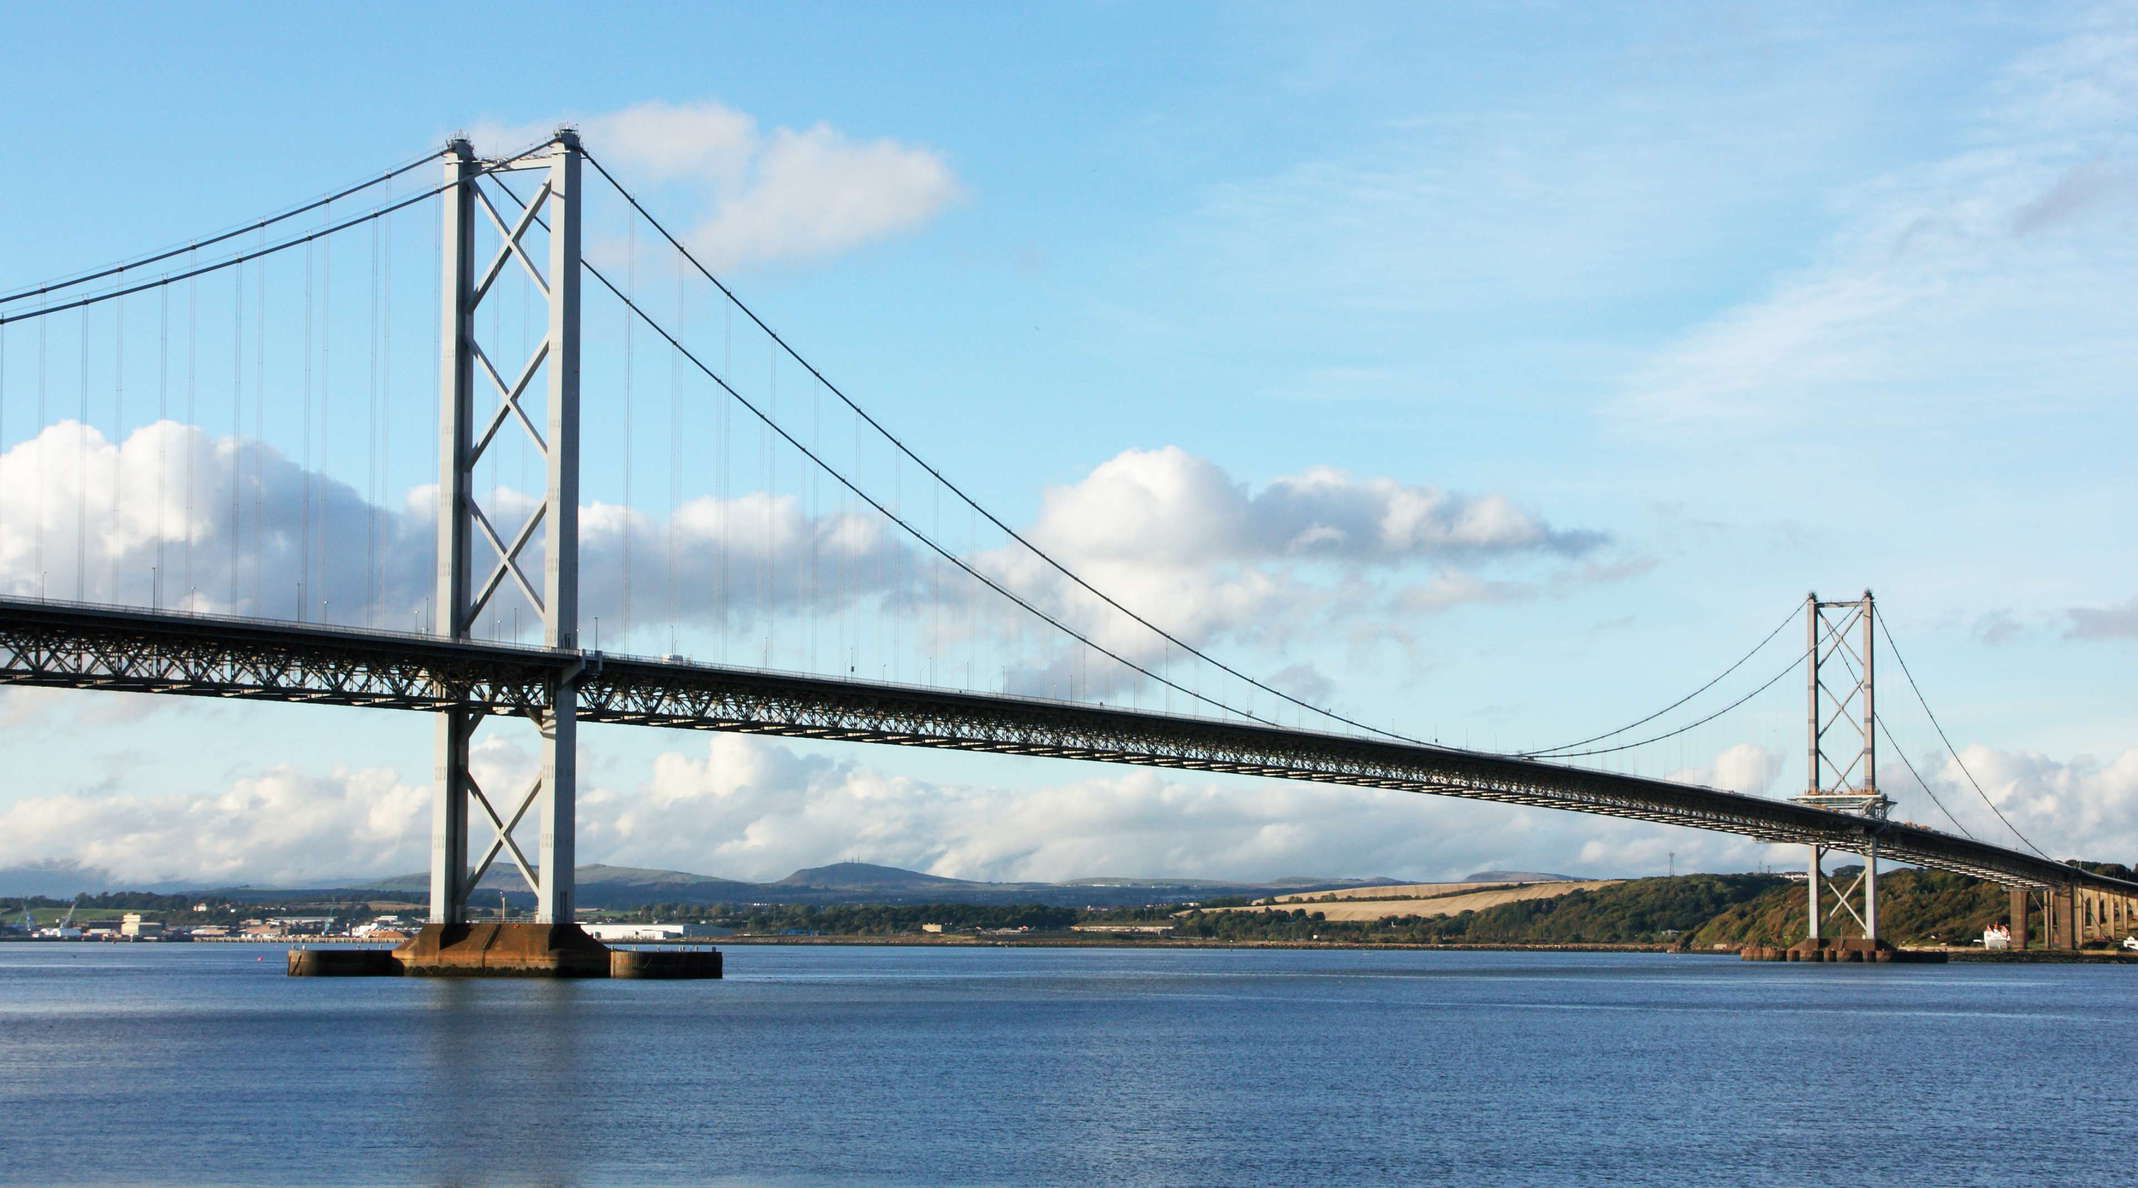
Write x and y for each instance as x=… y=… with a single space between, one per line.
x=1841 y=757
x=464 y=588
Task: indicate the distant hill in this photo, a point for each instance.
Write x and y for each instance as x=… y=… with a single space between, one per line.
x=1519 y=876
x=506 y=877
x=52 y=879
x=866 y=876
x=64 y=879
x=605 y=886
x=1637 y=911
x=601 y=885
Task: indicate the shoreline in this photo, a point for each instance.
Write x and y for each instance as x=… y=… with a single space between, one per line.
x=1052 y=942
x=2026 y=957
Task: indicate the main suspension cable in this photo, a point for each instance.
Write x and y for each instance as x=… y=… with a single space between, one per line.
x=1793 y=666
x=893 y=517
x=1920 y=782
x=487 y=168
x=887 y=513
x=1548 y=751
x=1942 y=737
x=209 y=241
x=969 y=501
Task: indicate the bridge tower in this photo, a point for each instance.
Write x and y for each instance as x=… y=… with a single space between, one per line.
x=1841 y=757
x=471 y=386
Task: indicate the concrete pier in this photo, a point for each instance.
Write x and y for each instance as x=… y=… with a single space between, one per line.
x=664 y=963
x=1855 y=949
x=2022 y=930
x=343 y=963
x=504 y=950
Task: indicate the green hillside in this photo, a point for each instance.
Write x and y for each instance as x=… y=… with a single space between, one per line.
x=1914 y=907
x=1641 y=911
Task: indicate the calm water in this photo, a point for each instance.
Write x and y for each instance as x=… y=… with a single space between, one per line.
x=199 y=1063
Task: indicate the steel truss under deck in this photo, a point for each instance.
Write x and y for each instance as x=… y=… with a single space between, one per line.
x=93 y=647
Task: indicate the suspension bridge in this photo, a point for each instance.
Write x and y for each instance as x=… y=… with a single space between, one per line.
x=207 y=566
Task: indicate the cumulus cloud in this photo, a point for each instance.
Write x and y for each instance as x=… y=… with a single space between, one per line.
x=765 y=194
x=186 y=519
x=1746 y=767
x=747 y=807
x=1169 y=503
x=282 y=825
x=183 y=518
x=1215 y=559
x=2083 y=807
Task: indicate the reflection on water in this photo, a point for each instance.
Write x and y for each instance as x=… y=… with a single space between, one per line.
x=503 y=1068
x=197 y=1062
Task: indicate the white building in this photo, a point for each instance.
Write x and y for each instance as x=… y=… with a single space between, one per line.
x=650 y=932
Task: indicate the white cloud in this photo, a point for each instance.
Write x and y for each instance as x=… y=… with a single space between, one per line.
x=2083 y=807
x=1216 y=561
x=745 y=807
x=1167 y=503
x=232 y=526
x=213 y=523
x=1746 y=767
x=814 y=192
x=778 y=194
x=282 y=825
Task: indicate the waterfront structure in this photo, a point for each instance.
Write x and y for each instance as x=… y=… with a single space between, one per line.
x=651 y=932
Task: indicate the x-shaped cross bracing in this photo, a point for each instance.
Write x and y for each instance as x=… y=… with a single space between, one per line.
x=502 y=841
x=508 y=408
x=508 y=559
x=511 y=248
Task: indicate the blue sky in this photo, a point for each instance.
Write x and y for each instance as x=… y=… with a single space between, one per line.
x=1750 y=300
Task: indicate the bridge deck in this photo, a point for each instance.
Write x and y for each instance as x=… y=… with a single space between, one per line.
x=97 y=647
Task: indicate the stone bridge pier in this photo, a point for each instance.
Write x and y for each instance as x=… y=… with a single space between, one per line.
x=2072 y=917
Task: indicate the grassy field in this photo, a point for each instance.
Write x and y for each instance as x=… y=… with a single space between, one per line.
x=1419 y=899
x=46 y=917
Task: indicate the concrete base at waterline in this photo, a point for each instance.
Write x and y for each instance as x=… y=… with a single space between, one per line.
x=664 y=963
x=343 y=963
x=504 y=951
x=1852 y=948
